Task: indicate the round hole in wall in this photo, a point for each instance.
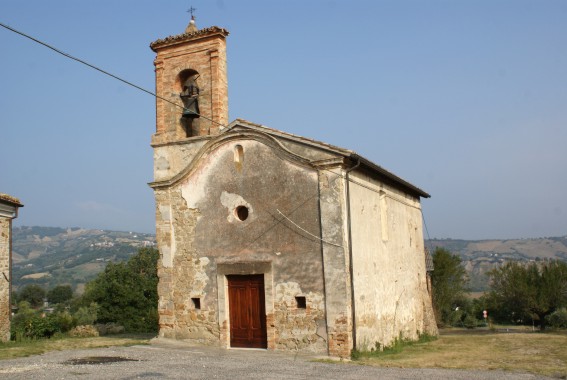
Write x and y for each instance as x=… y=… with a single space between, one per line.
x=241 y=212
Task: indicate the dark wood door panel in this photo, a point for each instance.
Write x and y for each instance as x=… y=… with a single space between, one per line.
x=247 y=311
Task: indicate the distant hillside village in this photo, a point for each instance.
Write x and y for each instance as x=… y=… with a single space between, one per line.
x=50 y=256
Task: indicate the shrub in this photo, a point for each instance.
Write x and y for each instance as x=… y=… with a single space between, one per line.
x=86 y=315
x=64 y=320
x=558 y=319
x=84 y=331
x=109 y=328
x=35 y=326
x=470 y=322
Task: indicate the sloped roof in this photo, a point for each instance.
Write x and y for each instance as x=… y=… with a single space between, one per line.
x=11 y=200
x=346 y=153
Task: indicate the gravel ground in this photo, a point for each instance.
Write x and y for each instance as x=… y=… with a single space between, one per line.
x=172 y=360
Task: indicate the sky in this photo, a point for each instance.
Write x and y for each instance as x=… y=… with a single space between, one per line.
x=465 y=99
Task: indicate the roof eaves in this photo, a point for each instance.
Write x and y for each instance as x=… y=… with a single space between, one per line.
x=371 y=165
x=353 y=156
x=11 y=200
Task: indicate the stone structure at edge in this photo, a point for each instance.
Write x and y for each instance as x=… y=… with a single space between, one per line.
x=272 y=240
x=8 y=210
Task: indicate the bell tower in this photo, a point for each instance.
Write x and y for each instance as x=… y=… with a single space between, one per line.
x=191 y=84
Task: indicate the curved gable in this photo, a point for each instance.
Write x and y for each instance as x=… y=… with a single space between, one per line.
x=230 y=138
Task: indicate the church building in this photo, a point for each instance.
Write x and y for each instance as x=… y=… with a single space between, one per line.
x=269 y=239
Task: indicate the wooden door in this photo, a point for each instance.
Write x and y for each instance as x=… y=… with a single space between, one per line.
x=247 y=311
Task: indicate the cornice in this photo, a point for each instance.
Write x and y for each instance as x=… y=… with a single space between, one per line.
x=199 y=34
x=5 y=198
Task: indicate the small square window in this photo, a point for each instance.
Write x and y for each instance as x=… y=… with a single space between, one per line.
x=196 y=303
x=301 y=302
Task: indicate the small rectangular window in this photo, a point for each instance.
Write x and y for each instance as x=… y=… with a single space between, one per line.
x=196 y=303
x=301 y=302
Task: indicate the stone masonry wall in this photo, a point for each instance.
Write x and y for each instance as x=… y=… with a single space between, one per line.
x=297 y=328
x=5 y=230
x=181 y=275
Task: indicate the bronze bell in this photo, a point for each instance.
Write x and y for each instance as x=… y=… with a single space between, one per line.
x=190 y=107
x=189 y=96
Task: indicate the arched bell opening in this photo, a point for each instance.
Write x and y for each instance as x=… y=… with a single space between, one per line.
x=188 y=89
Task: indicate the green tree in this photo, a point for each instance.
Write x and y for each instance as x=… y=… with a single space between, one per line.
x=126 y=293
x=60 y=294
x=32 y=293
x=448 y=281
x=536 y=289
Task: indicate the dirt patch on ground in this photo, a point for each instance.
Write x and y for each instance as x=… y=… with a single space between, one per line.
x=99 y=360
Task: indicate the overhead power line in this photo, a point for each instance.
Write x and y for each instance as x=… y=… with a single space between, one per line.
x=99 y=69
x=161 y=98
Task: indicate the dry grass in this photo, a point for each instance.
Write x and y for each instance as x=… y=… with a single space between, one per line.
x=544 y=354
x=11 y=350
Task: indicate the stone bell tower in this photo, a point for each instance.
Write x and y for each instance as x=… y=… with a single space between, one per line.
x=191 y=84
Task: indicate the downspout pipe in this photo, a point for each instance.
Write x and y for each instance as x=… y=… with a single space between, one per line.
x=351 y=269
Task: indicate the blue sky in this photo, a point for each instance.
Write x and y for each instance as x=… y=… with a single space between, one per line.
x=465 y=99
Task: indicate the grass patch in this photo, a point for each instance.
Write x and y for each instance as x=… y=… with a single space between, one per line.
x=10 y=350
x=396 y=347
x=538 y=353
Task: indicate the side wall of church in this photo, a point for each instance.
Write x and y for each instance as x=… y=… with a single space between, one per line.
x=5 y=309
x=202 y=239
x=390 y=283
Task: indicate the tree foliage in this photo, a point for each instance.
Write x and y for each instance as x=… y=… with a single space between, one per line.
x=126 y=293
x=34 y=294
x=534 y=290
x=448 y=281
x=60 y=294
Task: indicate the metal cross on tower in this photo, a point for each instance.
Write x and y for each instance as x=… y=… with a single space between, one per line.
x=191 y=10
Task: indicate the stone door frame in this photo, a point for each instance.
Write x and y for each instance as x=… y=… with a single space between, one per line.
x=244 y=268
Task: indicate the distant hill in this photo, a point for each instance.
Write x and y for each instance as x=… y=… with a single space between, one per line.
x=50 y=256
x=481 y=256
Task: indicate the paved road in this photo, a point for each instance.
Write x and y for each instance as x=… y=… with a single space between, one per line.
x=168 y=360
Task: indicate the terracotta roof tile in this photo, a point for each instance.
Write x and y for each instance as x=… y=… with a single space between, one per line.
x=188 y=36
x=10 y=199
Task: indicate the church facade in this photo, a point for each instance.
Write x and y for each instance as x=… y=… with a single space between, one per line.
x=272 y=240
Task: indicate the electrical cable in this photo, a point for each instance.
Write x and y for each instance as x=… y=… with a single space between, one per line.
x=101 y=70
x=427 y=232
x=175 y=104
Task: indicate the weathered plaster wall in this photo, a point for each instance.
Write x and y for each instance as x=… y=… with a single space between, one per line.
x=390 y=287
x=336 y=260
x=170 y=159
x=198 y=231
x=5 y=230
